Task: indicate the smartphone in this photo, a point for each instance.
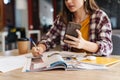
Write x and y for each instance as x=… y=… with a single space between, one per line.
x=71 y=29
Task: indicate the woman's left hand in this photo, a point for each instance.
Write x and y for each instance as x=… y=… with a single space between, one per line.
x=75 y=42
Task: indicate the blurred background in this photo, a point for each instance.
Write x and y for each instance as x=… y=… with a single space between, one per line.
x=32 y=17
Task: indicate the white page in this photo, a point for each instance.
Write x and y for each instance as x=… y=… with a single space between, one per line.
x=2 y=57
x=11 y=63
x=27 y=65
x=64 y=54
x=88 y=66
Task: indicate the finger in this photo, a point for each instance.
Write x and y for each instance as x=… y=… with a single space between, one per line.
x=71 y=37
x=79 y=33
x=36 y=55
x=35 y=51
x=69 y=42
x=73 y=46
x=39 y=49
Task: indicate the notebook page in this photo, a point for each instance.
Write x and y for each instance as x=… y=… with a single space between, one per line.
x=11 y=63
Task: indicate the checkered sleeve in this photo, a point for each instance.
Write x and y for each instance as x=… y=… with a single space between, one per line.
x=101 y=33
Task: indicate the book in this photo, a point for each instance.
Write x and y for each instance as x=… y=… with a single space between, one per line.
x=50 y=62
x=63 y=61
x=101 y=61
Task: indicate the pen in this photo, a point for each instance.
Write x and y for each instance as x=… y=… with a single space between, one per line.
x=34 y=45
x=33 y=42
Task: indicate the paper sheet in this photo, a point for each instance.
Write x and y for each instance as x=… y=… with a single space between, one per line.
x=11 y=63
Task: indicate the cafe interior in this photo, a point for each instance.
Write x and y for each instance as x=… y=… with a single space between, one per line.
x=33 y=18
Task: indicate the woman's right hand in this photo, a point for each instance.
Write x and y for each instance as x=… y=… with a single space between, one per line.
x=37 y=51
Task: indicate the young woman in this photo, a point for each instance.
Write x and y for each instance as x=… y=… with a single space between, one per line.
x=94 y=37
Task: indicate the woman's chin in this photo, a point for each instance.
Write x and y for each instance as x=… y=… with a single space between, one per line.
x=72 y=10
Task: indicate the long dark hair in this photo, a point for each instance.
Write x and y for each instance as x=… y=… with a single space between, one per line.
x=89 y=5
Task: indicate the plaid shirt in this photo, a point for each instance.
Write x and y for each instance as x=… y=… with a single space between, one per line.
x=100 y=33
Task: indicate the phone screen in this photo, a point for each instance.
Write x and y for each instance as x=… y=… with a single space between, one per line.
x=71 y=29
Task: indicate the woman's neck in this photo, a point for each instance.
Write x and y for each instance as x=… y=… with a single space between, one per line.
x=80 y=15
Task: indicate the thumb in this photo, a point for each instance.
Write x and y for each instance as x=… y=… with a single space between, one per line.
x=79 y=33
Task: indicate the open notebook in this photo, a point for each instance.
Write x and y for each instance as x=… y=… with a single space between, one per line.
x=101 y=61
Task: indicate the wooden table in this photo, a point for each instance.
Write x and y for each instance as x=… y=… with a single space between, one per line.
x=113 y=73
